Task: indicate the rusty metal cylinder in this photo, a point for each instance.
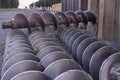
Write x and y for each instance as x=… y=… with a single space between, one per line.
x=44 y=44
x=89 y=51
x=18 y=21
x=16 y=68
x=72 y=19
x=97 y=59
x=37 y=38
x=48 y=41
x=65 y=32
x=17 y=51
x=72 y=39
x=48 y=50
x=18 y=58
x=50 y=22
x=82 y=17
x=74 y=75
x=31 y=75
x=91 y=17
x=34 y=33
x=61 y=19
x=76 y=44
x=59 y=66
x=12 y=47
x=54 y=56
x=82 y=46
x=67 y=38
x=36 y=21
x=110 y=68
x=34 y=40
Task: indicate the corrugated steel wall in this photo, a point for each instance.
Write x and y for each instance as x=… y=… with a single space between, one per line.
x=74 y=5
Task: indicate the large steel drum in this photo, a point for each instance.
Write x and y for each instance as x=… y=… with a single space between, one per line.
x=60 y=66
x=31 y=75
x=98 y=58
x=74 y=75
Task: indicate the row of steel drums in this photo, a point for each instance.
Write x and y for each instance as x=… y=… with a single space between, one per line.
x=50 y=22
x=19 y=57
x=58 y=64
x=39 y=57
x=48 y=61
x=20 y=60
x=93 y=54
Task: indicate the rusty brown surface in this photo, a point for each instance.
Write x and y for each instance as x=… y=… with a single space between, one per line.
x=61 y=18
x=36 y=20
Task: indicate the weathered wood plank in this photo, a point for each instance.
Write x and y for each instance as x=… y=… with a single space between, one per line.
x=93 y=5
x=106 y=19
x=117 y=21
x=101 y=18
x=83 y=5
